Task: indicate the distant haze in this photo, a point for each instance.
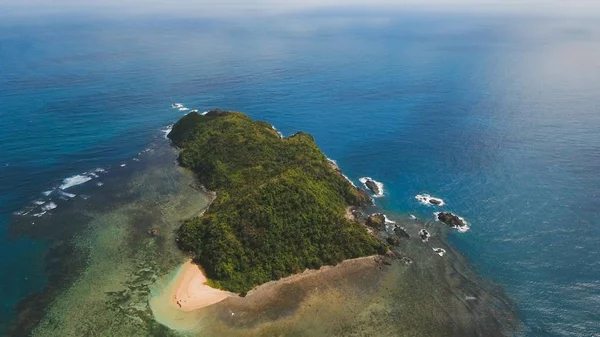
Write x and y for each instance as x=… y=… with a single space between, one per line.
x=268 y=7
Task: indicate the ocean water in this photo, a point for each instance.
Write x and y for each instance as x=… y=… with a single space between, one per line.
x=497 y=115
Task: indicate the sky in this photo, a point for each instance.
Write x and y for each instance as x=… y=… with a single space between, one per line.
x=274 y=7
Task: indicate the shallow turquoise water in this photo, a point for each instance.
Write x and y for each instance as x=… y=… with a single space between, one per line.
x=496 y=115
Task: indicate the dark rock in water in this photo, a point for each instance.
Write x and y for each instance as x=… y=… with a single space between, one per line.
x=154 y=232
x=376 y=221
x=424 y=235
x=439 y=251
x=435 y=201
x=450 y=219
x=400 y=232
x=392 y=240
x=372 y=186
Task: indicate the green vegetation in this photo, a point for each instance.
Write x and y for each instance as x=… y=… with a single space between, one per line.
x=280 y=205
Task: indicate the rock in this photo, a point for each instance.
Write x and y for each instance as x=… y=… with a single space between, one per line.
x=451 y=220
x=435 y=201
x=424 y=235
x=439 y=251
x=359 y=215
x=376 y=221
x=392 y=240
x=407 y=261
x=428 y=200
x=372 y=186
x=398 y=256
x=401 y=232
x=386 y=260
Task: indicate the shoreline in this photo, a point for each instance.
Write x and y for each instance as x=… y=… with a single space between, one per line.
x=190 y=291
x=308 y=273
x=272 y=300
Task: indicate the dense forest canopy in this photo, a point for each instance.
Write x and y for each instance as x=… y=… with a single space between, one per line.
x=280 y=205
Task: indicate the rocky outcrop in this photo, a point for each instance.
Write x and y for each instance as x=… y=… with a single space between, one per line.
x=373 y=186
x=376 y=221
x=451 y=220
x=439 y=251
x=392 y=255
x=392 y=240
x=401 y=232
x=424 y=235
x=399 y=256
x=435 y=201
x=428 y=200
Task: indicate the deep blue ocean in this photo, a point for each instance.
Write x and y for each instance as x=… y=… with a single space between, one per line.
x=498 y=115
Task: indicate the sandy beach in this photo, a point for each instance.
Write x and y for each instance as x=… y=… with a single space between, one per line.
x=190 y=291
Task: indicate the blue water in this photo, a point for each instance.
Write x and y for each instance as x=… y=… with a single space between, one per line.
x=498 y=115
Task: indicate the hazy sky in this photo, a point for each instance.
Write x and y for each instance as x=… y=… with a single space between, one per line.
x=237 y=7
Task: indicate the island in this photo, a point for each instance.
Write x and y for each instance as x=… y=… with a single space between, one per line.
x=279 y=208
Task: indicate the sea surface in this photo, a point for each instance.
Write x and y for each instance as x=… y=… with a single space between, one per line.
x=498 y=115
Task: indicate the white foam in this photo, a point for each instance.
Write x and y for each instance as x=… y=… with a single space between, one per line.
x=49 y=206
x=68 y=195
x=439 y=251
x=205 y=112
x=23 y=212
x=183 y=109
x=364 y=180
x=167 y=130
x=425 y=199
x=99 y=183
x=74 y=181
x=93 y=175
x=176 y=105
x=100 y=170
x=47 y=193
x=335 y=163
x=388 y=221
x=39 y=215
x=195 y=110
x=39 y=202
x=412 y=217
x=389 y=224
x=350 y=181
x=123 y=165
x=281 y=136
x=464 y=228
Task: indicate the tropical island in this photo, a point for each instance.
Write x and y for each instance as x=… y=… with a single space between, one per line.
x=280 y=205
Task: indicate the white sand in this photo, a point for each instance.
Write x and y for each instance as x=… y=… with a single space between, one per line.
x=191 y=292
